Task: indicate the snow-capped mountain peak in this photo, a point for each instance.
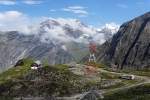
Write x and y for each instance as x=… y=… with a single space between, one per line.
x=109 y=27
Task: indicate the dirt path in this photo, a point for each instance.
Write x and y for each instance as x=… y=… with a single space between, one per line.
x=142 y=80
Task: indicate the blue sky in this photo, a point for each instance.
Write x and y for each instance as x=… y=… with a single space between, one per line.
x=94 y=12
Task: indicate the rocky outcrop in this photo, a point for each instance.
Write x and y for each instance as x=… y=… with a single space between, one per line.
x=130 y=47
x=92 y=95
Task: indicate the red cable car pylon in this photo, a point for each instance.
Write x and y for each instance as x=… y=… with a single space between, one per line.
x=91 y=67
x=92 y=49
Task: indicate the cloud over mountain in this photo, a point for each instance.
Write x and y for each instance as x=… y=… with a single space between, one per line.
x=13 y=20
x=57 y=29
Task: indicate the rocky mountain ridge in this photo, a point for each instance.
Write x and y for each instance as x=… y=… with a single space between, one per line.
x=130 y=47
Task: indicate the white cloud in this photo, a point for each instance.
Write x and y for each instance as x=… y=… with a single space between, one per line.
x=53 y=29
x=52 y=10
x=76 y=7
x=112 y=26
x=99 y=38
x=79 y=10
x=32 y=2
x=108 y=30
x=122 y=6
x=59 y=33
x=15 y=21
x=7 y=2
x=88 y=31
x=56 y=33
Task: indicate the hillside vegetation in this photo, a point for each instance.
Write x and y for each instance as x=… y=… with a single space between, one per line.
x=141 y=92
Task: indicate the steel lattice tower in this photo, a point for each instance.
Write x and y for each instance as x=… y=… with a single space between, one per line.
x=92 y=49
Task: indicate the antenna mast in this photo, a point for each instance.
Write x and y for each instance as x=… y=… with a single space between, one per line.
x=92 y=49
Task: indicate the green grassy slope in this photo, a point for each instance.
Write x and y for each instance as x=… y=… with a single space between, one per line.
x=58 y=80
x=136 y=93
x=15 y=72
x=50 y=80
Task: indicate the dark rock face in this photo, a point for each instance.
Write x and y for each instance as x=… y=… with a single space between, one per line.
x=15 y=46
x=92 y=95
x=130 y=47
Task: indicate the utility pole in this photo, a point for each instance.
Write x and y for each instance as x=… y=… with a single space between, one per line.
x=92 y=49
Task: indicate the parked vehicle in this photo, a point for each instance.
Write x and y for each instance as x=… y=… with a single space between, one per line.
x=128 y=77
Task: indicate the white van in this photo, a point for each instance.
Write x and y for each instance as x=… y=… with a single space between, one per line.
x=128 y=77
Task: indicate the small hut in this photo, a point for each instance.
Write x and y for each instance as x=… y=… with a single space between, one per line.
x=36 y=65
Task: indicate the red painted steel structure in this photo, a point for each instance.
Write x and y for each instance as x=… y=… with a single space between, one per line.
x=92 y=49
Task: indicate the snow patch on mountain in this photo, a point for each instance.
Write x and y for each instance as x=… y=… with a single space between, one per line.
x=59 y=30
x=64 y=30
x=107 y=31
